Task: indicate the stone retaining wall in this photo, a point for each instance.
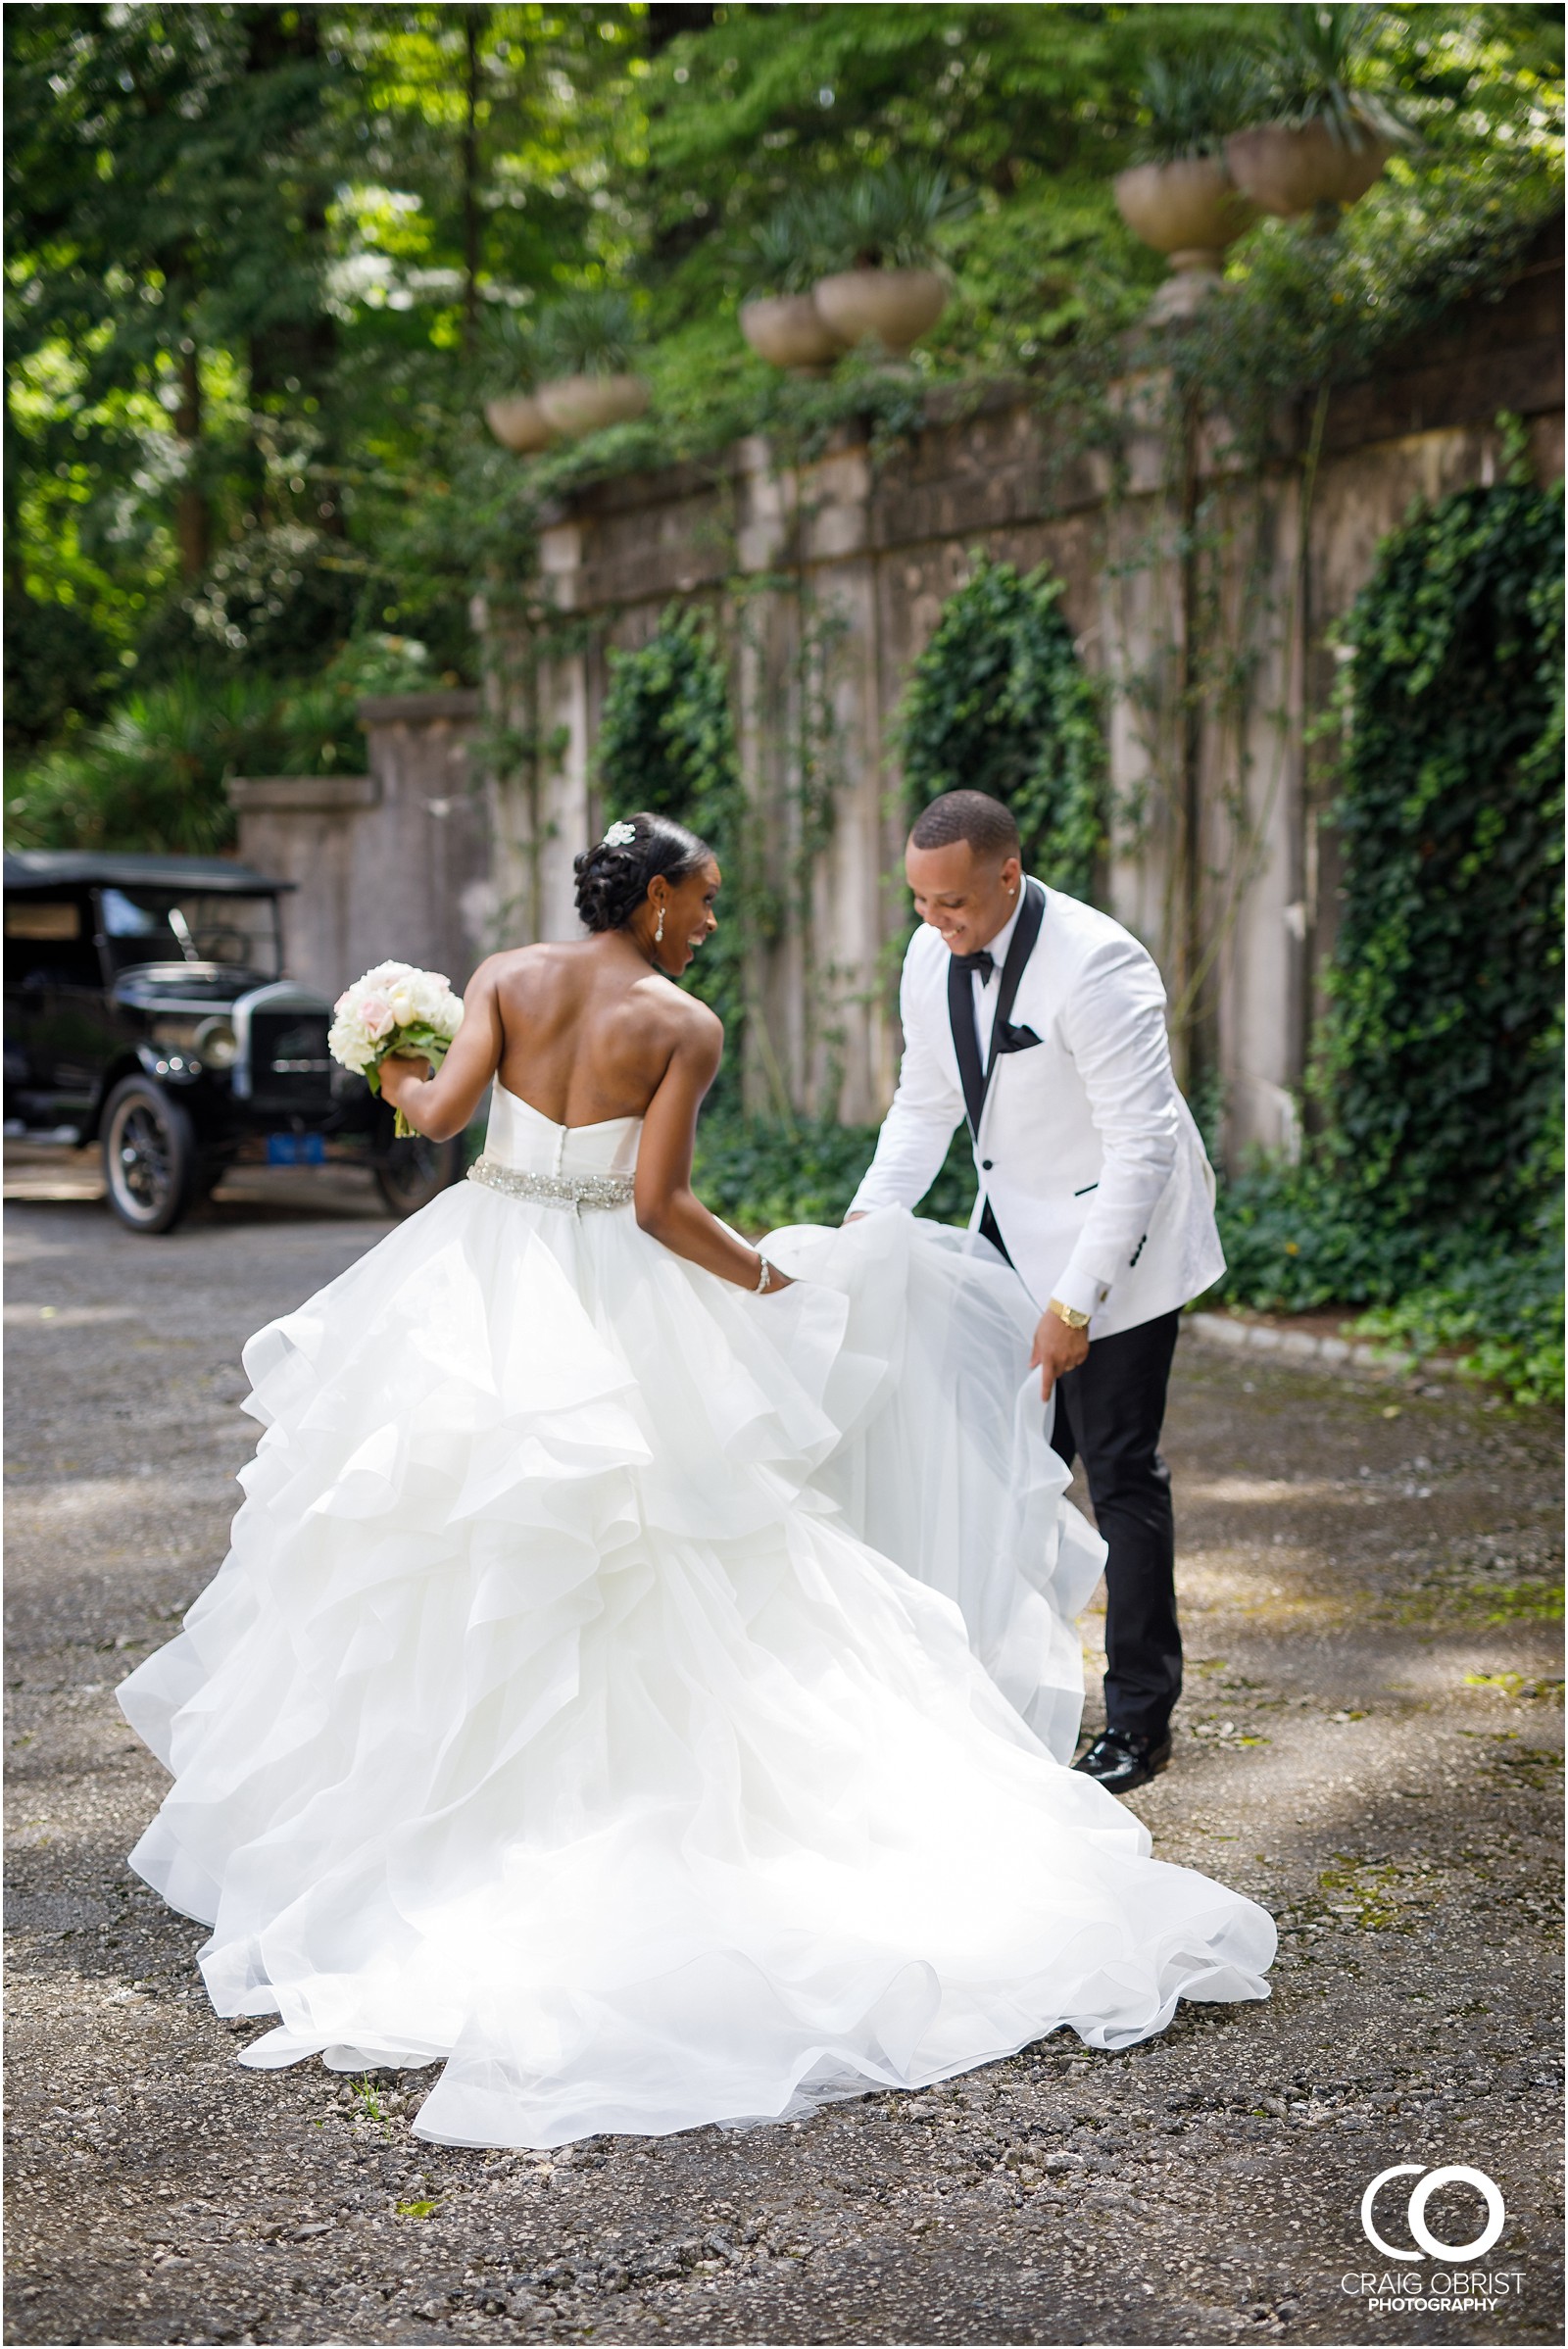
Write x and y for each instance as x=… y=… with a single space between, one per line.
x=847 y=564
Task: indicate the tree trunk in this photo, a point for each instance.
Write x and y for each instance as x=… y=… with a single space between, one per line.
x=472 y=27
x=664 y=18
x=192 y=519
x=11 y=477
x=292 y=359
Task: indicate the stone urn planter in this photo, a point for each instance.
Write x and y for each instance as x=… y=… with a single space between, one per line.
x=1290 y=169
x=891 y=307
x=1189 y=210
x=519 y=422
x=574 y=405
x=788 y=330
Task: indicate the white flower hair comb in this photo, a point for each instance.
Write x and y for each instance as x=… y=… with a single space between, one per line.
x=619 y=836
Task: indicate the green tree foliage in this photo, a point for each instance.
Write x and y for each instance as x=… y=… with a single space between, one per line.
x=1000 y=701
x=168 y=180
x=247 y=248
x=250 y=251
x=58 y=669
x=152 y=775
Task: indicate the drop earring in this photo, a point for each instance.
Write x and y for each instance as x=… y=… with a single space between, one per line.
x=658 y=934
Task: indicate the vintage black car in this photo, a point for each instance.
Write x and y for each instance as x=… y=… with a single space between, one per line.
x=146 y=1011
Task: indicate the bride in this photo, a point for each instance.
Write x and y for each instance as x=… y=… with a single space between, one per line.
x=644 y=1670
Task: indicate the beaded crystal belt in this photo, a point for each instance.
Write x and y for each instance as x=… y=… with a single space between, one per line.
x=572 y=1192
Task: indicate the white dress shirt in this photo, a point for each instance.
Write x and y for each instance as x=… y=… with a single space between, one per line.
x=985 y=992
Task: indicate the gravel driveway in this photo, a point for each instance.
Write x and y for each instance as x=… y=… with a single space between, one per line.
x=1370 y=1744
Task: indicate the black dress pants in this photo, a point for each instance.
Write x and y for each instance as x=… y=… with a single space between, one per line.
x=1110 y=1410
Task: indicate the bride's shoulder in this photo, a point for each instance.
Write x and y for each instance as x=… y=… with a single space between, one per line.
x=672 y=1027
x=674 y=1010
x=519 y=965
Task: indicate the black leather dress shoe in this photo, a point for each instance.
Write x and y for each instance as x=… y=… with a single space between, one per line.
x=1124 y=1758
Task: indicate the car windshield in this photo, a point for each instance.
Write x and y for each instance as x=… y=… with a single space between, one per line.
x=180 y=925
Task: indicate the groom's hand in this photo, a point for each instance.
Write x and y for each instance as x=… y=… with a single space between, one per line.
x=1056 y=1349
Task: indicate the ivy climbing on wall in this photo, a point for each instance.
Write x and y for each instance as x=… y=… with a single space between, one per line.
x=1000 y=701
x=1442 y=1054
x=666 y=743
x=1434 y=1193
x=667 y=739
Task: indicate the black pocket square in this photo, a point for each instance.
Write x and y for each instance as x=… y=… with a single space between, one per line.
x=1009 y=1039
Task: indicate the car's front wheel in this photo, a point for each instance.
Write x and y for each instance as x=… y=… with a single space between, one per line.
x=410 y=1174
x=150 y=1158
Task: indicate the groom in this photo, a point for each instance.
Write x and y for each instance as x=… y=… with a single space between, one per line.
x=1041 y=1023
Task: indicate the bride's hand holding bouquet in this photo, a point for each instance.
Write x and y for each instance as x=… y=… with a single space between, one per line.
x=395 y=1014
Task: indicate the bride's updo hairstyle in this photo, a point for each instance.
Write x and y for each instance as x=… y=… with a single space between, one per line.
x=612 y=877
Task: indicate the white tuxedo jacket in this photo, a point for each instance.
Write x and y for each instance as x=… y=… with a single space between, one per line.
x=1086 y=1149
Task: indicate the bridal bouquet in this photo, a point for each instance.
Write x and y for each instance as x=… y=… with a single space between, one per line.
x=393 y=1008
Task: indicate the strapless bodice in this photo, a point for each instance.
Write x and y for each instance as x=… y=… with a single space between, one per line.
x=523 y=1140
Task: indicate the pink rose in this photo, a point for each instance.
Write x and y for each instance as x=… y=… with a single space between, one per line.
x=377 y=1014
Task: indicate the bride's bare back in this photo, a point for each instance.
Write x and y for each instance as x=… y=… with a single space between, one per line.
x=590 y=1031
x=587 y=1031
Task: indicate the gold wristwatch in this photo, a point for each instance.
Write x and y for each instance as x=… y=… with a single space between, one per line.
x=1068 y=1314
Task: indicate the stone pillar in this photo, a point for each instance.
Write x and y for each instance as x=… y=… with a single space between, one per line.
x=809 y=731
x=390 y=865
x=843 y=1059
x=306 y=829
x=563 y=789
x=1255 y=830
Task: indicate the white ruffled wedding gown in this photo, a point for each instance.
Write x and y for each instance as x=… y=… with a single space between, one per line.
x=559 y=1711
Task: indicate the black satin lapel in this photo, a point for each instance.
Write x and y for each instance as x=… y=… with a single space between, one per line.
x=965 y=1042
x=1031 y=915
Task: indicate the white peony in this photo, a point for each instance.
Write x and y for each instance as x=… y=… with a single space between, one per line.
x=432 y=996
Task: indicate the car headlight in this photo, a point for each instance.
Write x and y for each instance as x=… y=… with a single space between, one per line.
x=175 y=1035
x=216 y=1043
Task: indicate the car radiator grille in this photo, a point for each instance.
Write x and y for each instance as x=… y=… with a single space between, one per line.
x=291 y=1068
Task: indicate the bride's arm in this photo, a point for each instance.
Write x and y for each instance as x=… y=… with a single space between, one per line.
x=667 y=1209
x=442 y=1105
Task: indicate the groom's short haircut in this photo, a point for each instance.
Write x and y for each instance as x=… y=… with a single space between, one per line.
x=972 y=816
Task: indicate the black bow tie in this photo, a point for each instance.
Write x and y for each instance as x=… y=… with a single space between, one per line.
x=980 y=965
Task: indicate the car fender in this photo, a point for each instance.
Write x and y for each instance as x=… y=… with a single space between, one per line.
x=132 y=1062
